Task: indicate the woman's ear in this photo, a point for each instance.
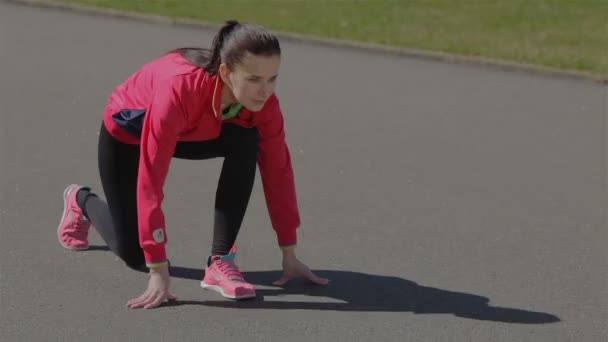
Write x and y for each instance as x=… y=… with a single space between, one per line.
x=224 y=73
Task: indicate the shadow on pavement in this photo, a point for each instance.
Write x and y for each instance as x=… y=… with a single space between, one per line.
x=98 y=248
x=367 y=292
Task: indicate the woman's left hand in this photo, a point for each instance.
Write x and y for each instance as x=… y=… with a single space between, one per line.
x=292 y=268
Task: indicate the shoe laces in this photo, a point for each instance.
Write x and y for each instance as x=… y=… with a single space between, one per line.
x=230 y=270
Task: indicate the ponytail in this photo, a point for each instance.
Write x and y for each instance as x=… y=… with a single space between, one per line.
x=213 y=64
x=230 y=44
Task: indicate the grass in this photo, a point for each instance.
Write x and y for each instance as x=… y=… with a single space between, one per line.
x=566 y=34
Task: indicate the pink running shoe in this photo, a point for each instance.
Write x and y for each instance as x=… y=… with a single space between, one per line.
x=224 y=277
x=74 y=227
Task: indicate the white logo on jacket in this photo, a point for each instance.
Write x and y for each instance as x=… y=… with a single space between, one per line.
x=159 y=235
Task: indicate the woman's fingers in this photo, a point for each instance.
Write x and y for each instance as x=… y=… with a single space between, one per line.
x=281 y=281
x=156 y=293
x=155 y=301
x=145 y=301
x=307 y=273
x=299 y=269
x=317 y=280
x=150 y=300
x=133 y=303
x=138 y=299
x=140 y=304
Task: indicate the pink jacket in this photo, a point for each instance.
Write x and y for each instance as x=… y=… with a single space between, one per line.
x=170 y=100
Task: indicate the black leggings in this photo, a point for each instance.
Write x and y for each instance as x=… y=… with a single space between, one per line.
x=116 y=221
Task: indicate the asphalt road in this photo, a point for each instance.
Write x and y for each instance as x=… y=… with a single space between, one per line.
x=445 y=202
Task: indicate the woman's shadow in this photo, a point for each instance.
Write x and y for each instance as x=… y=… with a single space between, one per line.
x=366 y=292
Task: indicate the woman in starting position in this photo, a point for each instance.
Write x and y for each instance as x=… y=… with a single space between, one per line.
x=192 y=104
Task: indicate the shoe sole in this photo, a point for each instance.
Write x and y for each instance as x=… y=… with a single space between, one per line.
x=65 y=207
x=221 y=291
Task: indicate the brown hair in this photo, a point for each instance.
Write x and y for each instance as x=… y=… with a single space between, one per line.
x=230 y=45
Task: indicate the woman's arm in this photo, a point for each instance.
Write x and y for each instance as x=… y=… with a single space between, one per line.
x=276 y=172
x=163 y=122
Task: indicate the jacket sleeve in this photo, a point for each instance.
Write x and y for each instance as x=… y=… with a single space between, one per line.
x=163 y=121
x=277 y=176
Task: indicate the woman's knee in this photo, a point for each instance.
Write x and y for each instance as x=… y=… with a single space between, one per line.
x=131 y=254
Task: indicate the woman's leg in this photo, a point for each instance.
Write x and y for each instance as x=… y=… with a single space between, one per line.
x=239 y=147
x=116 y=221
x=234 y=186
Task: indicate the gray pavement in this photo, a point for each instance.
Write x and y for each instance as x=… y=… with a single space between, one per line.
x=446 y=202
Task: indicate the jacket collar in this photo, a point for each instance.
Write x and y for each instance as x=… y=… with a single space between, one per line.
x=216 y=101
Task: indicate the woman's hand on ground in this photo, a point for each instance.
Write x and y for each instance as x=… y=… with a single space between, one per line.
x=292 y=268
x=157 y=292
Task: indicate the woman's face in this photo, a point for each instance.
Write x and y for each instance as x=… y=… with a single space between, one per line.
x=252 y=81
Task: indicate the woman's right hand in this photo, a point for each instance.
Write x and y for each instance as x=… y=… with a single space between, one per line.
x=157 y=292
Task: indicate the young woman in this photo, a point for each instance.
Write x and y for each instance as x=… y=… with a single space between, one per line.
x=193 y=104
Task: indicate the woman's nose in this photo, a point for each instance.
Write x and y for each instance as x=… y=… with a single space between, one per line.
x=265 y=90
